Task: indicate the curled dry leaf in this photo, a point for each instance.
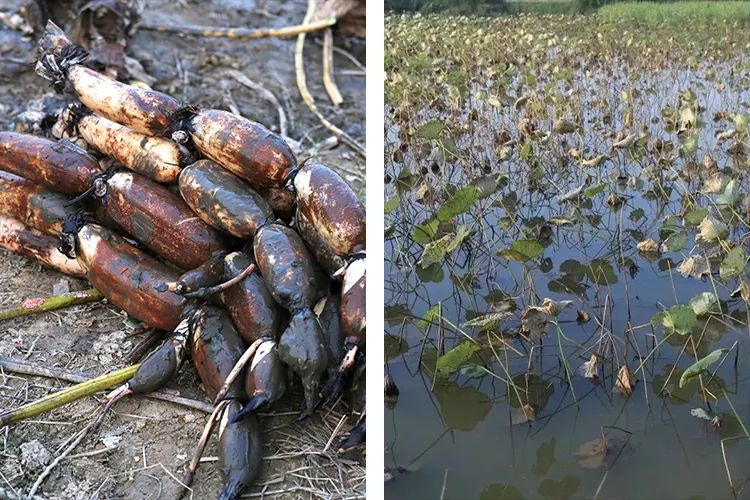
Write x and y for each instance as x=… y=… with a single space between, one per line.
x=743 y=291
x=648 y=246
x=583 y=316
x=614 y=201
x=624 y=383
x=525 y=413
x=696 y=266
x=590 y=369
x=594 y=162
x=535 y=318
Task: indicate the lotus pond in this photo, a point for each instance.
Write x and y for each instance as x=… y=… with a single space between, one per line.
x=567 y=228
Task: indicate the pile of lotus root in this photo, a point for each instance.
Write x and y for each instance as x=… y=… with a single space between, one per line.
x=200 y=223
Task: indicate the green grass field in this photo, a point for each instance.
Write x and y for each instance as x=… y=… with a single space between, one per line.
x=678 y=12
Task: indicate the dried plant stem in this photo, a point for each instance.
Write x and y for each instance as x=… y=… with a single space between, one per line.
x=328 y=81
x=82 y=434
x=246 y=356
x=203 y=293
x=187 y=479
x=243 y=33
x=299 y=66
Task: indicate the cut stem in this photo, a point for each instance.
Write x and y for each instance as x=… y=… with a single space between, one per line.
x=26 y=368
x=68 y=395
x=33 y=306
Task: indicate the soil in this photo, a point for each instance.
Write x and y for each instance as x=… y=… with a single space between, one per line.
x=144 y=445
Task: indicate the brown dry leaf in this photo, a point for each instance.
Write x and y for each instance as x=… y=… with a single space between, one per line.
x=743 y=291
x=648 y=246
x=614 y=200
x=535 y=318
x=710 y=230
x=715 y=184
x=521 y=415
x=624 y=383
x=709 y=163
x=695 y=266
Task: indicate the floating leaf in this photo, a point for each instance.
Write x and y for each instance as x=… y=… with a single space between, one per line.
x=559 y=490
x=436 y=251
x=423 y=233
x=740 y=122
x=731 y=195
x=675 y=242
x=432 y=273
x=545 y=458
x=594 y=162
x=637 y=214
x=501 y=491
x=451 y=361
x=397 y=314
x=701 y=366
x=705 y=303
x=570 y=195
x=595 y=190
x=695 y=216
x=668 y=227
x=430 y=130
x=733 y=264
x=392 y=204
x=680 y=319
x=394 y=346
x=487 y=322
x=462 y=408
x=473 y=370
x=523 y=250
x=743 y=291
x=460 y=202
x=429 y=317
x=690 y=145
x=463 y=232
x=601 y=272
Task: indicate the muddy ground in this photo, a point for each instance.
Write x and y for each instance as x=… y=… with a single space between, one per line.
x=145 y=444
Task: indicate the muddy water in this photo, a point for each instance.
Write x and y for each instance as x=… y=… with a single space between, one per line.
x=463 y=435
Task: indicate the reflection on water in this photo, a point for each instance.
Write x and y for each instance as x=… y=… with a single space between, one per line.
x=530 y=400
